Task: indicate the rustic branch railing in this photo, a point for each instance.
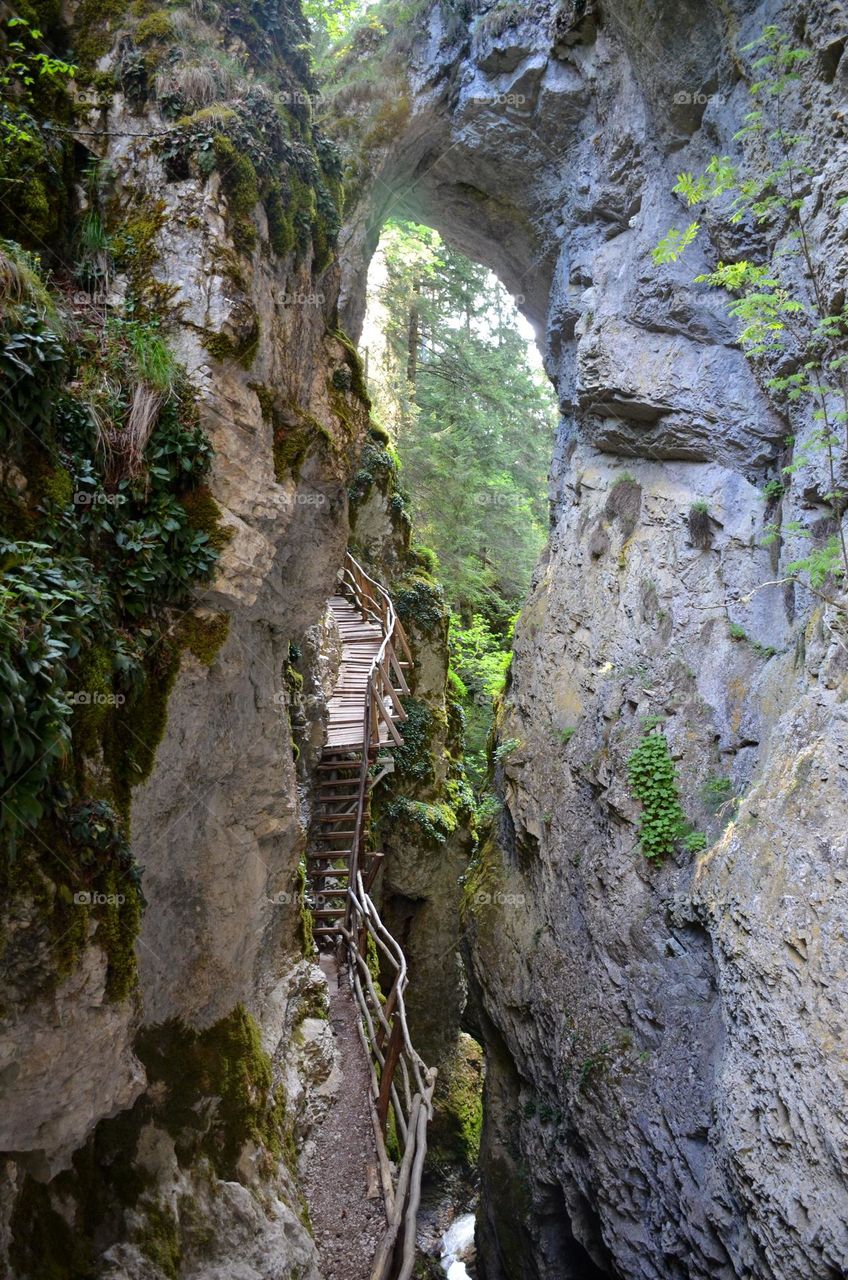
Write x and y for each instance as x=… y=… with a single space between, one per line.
x=401 y=1084
x=386 y=685
x=401 y=1093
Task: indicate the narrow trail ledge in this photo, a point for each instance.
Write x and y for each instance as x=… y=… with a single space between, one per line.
x=364 y=1182
x=342 y=1183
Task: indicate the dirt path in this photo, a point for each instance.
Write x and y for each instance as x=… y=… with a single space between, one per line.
x=342 y=1185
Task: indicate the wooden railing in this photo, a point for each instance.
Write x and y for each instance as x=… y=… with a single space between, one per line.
x=386 y=685
x=401 y=1094
x=401 y=1099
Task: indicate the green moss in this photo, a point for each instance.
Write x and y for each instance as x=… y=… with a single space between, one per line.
x=96 y=23
x=294 y=441
x=134 y=246
x=372 y=959
x=388 y=123
x=94 y=689
x=267 y=398
x=242 y=350
x=306 y=919
x=204 y=636
x=134 y=736
x=78 y=848
x=214 y=114
x=33 y=195
x=42 y=1244
x=226 y=1062
x=119 y=924
x=454 y=1135
x=435 y=822
x=393 y=1146
x=483 y=880
x=58 y=487
x=213 y=1092
x=206 y=516
x=157 y=26
x=241 y=187
x=291 y=447
x=159 y=1239
x=378 y=432
x=358 y=384
x=281 y=224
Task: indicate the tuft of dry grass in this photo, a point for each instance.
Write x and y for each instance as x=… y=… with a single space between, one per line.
x=199 y=84
x=123 y=447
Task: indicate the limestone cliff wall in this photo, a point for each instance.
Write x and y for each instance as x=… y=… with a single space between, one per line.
x=665 y=1044
x=161 y=1132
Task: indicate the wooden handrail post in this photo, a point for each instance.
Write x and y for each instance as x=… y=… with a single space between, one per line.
x=392 y=1056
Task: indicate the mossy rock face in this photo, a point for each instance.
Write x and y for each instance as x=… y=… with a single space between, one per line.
x=213 y=1092
x=241 y=187
x=430 y=822
x=225 y=1062
x=156 y=27
x=454 y=1135
x=355 y=366
x=134 y=245
x=203 y=635
x=296 y=434
x=159 y=1239
x=242 y=343
x=92 y=699
x=95 y=27
x=306 y=920
x=76 y=872
x=206 y=516
x=43 y=1245
x=133 y=737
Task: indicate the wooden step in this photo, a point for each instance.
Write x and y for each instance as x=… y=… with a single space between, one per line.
x=329 y=913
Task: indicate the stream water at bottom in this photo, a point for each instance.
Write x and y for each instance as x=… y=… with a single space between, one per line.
x=458 y=1247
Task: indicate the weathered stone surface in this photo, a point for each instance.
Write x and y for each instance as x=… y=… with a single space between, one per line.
x=665 y=1089
x=219 y=826
x=78 y=1047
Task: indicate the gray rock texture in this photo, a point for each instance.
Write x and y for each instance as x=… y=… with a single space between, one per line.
x=219 y=826
x=666 y=1089
x=665 y=1044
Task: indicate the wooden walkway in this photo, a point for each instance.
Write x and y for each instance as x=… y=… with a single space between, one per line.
x=361 y=641
x=365 y=712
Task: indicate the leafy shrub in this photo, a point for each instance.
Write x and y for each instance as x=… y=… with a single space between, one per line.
x=653 y=781
x=111 y=556
x=49 y=608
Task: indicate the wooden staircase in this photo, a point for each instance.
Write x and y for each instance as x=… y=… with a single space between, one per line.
x=364 y=713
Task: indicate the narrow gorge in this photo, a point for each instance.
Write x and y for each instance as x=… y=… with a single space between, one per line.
x=611 y=864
